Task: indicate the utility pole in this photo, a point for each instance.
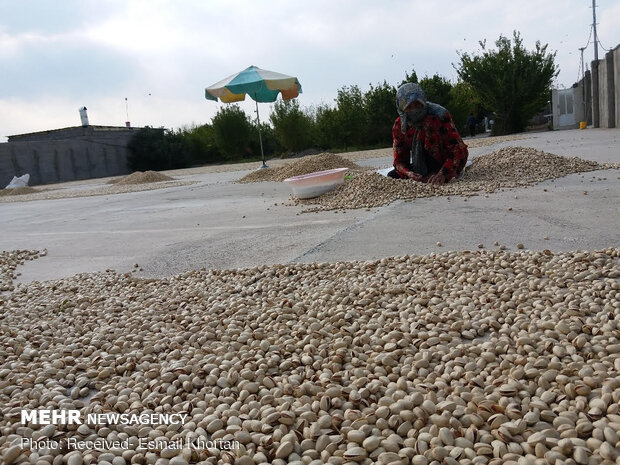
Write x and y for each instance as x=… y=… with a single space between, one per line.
x=594 y=27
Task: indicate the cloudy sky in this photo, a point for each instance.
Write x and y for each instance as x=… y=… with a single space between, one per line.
x=59 y=55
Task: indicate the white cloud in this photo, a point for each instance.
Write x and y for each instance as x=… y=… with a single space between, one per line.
x=31 y=116
x=139 y=27
x=11 y=45
x=92 y=53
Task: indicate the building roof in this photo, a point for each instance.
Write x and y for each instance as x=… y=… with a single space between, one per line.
x=72 y=128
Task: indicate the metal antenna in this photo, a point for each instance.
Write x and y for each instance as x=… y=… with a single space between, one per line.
x=127 y=123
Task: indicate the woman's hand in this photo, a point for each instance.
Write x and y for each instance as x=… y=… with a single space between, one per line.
x=414 y=176
x=437 y=179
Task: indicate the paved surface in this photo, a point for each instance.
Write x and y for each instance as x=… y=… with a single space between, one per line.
x=219 y=224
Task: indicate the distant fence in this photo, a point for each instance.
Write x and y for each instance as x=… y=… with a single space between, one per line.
x=573 y=105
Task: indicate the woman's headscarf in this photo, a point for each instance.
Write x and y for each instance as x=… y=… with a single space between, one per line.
x=406 y=94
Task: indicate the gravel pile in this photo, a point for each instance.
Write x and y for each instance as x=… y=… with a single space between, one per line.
x=508 y=167
x=63 y=193
x=18 y=191
x=142 y=177
x=453 y=358
x=305 y=165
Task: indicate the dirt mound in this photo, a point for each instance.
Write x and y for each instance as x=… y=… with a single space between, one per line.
x=305 y=165
x=143 y=177
x=18 y=191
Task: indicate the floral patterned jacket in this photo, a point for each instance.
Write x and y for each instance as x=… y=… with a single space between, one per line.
x=441 y=140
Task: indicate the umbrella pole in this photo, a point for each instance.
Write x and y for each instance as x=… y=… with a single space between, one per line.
x=260 y=138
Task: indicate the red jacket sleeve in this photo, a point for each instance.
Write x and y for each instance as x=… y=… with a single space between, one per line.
x=402 y=148
x=455 y=149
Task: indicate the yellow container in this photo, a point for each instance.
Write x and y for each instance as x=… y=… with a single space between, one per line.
x=582 y=124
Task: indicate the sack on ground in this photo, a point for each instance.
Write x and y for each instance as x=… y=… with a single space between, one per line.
x=21 y=181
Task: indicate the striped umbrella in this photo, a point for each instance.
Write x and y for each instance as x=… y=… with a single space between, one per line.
x=260 y=84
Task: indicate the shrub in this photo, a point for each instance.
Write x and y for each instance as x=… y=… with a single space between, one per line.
x=157 y=149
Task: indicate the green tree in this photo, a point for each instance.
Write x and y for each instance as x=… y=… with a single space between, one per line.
x=437 y=90
x=413 y=77
x=271 y=145
x=380 y=108
x=512 y=81
x=201 y=142
x=232 y=130
x=350 y=116
x=463 y=101
x=292 y=127
x=157 y=149
x=326 y=127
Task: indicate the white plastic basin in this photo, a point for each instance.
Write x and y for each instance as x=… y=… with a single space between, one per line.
x=318 y=183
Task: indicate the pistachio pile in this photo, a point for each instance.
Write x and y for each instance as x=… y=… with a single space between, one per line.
x=305 y=165
x=486 y=141
x=453 y=358
x=141 y=177
x=9 y=261
x=509 y=167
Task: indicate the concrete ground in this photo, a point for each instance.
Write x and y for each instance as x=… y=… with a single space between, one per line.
x=219 y=224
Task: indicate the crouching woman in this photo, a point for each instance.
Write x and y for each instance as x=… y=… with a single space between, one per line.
x=427 y=145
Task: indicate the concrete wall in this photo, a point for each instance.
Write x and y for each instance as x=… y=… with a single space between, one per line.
x=606 y=90
x=602 y=95
x=65 y=155
x=616 y=55
x=595 y=98
x=588 y=94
